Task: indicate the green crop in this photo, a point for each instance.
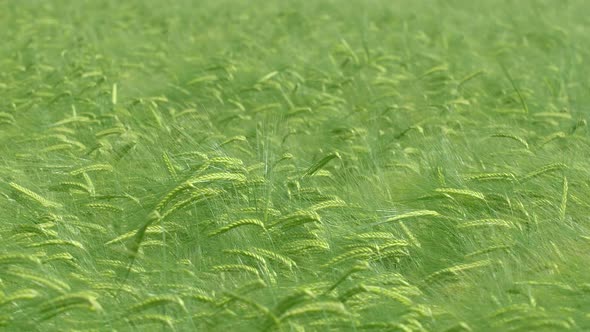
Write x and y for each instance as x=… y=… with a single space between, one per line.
x=351 y=165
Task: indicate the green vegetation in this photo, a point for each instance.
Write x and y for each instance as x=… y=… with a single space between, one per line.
x=294 y=165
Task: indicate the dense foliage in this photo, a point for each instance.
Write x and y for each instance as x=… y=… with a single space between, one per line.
x=294 y=165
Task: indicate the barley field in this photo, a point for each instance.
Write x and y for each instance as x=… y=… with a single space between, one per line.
x=351 y=165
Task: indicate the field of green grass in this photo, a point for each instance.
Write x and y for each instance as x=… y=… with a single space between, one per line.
x=352 y=165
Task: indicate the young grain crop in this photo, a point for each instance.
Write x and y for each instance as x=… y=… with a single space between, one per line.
x=294 y=165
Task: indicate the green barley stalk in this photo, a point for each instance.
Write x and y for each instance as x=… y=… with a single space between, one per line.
x=169 y=166
x=138 y=320
x=239 y=223
x=34 y=196
x=520 y=96
x=545 y=169
x=409 y=215
x=513 y=137
x=461 y=192
x=564 y=195
x=155 y=301
x=323 y=307
x=152 y=218
x=321 y=163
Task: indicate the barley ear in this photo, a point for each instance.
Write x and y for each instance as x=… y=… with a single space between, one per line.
x=564 y=195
